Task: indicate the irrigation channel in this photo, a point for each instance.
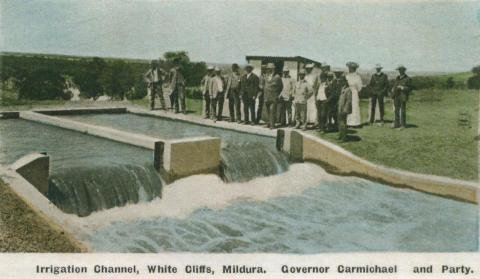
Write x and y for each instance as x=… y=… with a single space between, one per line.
x=115 y=200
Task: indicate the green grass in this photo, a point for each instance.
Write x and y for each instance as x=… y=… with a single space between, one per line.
x=433 y=144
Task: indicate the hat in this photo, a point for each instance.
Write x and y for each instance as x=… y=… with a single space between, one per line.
x=330 y=74
x=209 y=68
x=217 y=69
x=401 y=67
x=352 y=64
x=301 y=72
x=270 y=66
x=286 y=69
x=154 y=62
x=326 y=66
x=378 y=66
x=249 y=66
x=310 y=65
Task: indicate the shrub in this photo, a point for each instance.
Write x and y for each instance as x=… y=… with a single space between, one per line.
x=43 y=84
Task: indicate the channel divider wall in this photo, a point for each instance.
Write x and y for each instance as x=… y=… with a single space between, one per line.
x=302 y=146
x=173 y=157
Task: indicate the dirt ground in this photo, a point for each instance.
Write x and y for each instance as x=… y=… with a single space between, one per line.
x=22 y=231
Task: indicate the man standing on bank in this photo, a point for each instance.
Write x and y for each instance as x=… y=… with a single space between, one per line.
x=216 y=95
x=261 y=95
x=153 y=78
x=400 y=92
x=286 y=98
x=272 y=90
x=344 y=107
x=233 y=93
x=321 y=99
x=206 y=84
x=303 y=91
x=177 y=88
x=249 y=88
x=379 y=88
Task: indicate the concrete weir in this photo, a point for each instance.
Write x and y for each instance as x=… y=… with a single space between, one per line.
x=175 y=158
x=305 y=147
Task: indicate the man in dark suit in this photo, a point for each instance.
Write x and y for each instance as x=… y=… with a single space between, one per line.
x=379 y=87
x=401 y=89
x=249 y=87
x=233 y=93
x=177 y=88
x=272 y=90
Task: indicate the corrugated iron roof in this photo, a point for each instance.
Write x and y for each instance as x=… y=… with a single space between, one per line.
x=283 y=58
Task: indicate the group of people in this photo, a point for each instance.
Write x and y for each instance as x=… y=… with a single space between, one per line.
x=326 y=100
x=155 y=77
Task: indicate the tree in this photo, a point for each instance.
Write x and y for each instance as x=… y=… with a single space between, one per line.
x=118 y=79
x=88 y=78
x=450 y=83
x=192 y=71
x=474 y=81
x=42 y=84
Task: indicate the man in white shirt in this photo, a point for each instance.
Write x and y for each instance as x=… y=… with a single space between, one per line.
x=286 y=98
x=216 y=95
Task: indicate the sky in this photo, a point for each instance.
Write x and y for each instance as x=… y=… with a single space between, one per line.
x=422 y=35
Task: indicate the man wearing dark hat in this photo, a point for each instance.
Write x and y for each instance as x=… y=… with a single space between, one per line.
x=379 y=88
x=272 y=90
x=177 y=87
x=153 y=78
x=233 y=93
x=249 y=87
x=333 y=92
x=401 y=89
x=206 y=85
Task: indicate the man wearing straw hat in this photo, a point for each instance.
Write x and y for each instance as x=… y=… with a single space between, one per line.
x=232 y=92
x=206 y=84
x=379 y=87
x=272 y=90
x=286 y=97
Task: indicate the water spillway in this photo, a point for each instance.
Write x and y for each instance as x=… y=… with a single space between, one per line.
x=87 y=173
x=84 y=190
x=244 y=156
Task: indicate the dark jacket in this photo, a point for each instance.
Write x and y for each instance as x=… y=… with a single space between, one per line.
x=250 y=86
x=379 y=84
x=273 y=88
x=402 y=86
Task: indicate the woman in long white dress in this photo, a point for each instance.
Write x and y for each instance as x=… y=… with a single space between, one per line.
x=355 y=84
x=312 y=79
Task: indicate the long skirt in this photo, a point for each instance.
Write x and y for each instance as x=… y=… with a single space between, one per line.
x=353 y=119
x=311 y=110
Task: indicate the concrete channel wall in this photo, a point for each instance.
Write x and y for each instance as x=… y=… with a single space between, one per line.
x=35 y=168
x=40 y=204
x=305 y=147
x=177 y=158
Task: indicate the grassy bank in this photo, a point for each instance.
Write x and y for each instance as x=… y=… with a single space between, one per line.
x=433 y=143
x=21 y=230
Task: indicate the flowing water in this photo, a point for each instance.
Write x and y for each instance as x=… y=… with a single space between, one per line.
x=244 y=156
x=86 y=173
x=302 y=209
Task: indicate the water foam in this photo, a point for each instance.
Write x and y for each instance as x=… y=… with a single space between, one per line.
x=186 y=195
